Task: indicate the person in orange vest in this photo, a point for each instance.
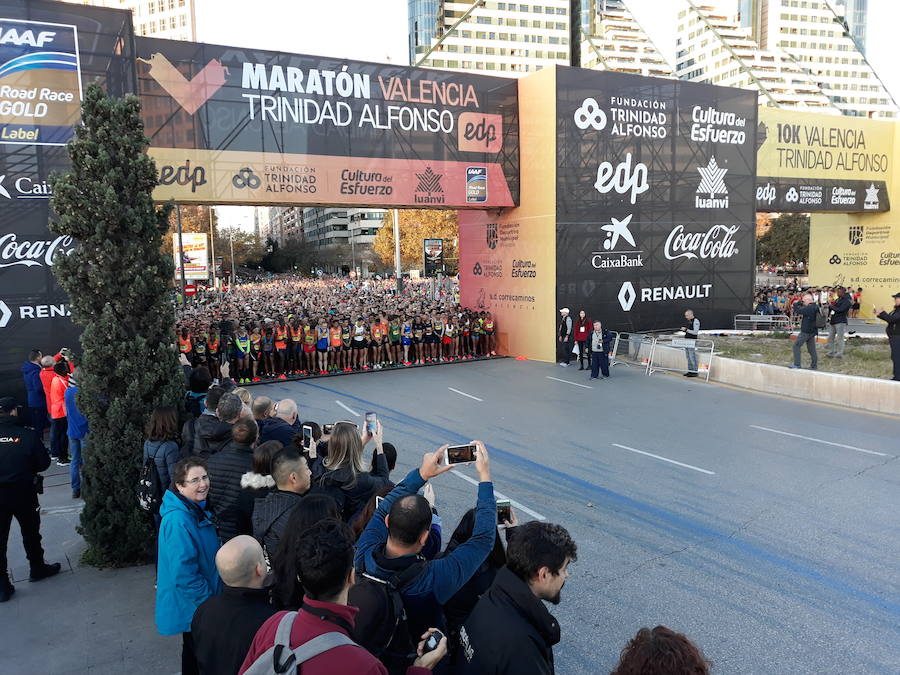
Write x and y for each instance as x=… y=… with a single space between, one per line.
x=377 y=343
x=281 y=339
x=335 y=345
x=57 y=404
x=213 y=349
x=186 y=345
x=295 y=332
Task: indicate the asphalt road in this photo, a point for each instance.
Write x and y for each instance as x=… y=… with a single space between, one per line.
x=776 y=553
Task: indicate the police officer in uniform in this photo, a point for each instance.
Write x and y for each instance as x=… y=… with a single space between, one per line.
x=22 y=457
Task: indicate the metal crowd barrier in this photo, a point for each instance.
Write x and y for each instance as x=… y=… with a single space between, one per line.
x=764 y=322
x=671 y=353
x=632 y=349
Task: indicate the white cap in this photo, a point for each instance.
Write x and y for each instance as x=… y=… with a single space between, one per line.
x=564 y=310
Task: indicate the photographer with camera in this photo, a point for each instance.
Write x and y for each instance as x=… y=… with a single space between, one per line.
x=388 y=557
x=22 y=458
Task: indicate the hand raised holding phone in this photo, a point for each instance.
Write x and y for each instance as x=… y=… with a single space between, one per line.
x=433 y=464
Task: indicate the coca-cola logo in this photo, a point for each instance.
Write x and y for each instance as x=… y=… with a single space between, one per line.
x=32 y=253
x=716 y=242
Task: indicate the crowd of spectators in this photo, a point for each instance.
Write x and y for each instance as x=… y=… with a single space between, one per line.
x=285 y=543
x=780 y=300
x=294 y=327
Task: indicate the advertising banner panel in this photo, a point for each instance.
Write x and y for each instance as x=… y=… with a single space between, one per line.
x=814 y=162
x=433 y=253
x=655 y=207
x=46 y=48
x=194 y=255
x=240 y=126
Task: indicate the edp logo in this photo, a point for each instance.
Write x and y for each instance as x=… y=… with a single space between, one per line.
x=623 y=179
x=169 y=175
x=765 y=193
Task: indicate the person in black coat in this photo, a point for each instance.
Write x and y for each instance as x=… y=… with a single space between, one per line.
x=893 y=331
x=342 y=474
x=224 y=626
x=271 y=514
x=837 y=324
x=231 y=504
x=22 y=457
x=599 y=343
x=808 y=311
x=510 y=631
x=282 y=427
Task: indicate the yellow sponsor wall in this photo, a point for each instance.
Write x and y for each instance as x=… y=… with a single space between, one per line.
x=508 y=257
x=856 y=250
x=811 y=145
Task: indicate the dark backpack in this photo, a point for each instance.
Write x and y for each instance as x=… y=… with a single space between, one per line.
x=149 y=488
x=381 y=626
x=822 y=316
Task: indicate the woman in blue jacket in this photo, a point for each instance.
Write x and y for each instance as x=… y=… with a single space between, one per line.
x=186 y=575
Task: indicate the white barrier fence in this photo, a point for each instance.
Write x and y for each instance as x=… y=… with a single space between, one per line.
x=775 y=322
x=631 y=349
x=681 y=354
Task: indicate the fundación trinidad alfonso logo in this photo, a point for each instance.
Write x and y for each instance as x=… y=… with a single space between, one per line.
x=189 y=94
x=855 y=234
x=712 y=182
x=590 y=114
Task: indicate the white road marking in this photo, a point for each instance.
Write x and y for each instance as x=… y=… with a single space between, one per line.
x=53 y=510
x=819 y=440
x=349 y=410
x=500 y=495
x=574 y=384
x=665 y=459
x=462 y=393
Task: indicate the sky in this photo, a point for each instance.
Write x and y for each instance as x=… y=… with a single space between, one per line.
x=376 y=30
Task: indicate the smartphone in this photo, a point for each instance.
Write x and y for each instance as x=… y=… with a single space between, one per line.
x=433 y=641
x=503 y=511
x=459 y=454
x=378 y=501
x=307 y=437
x=370 y=423
x=327 y=428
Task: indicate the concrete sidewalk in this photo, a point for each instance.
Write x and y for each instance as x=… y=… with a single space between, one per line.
x=84 y=620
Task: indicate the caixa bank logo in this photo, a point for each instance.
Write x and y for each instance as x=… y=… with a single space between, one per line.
x=716 y=243
x=24 y=187
x=26 y=253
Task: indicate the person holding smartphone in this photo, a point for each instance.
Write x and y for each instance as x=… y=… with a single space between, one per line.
x=393 y=540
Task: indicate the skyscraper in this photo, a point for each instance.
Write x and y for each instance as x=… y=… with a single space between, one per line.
x=793 y=51
x=514 y=38
x=856 y=15
x=173 y=19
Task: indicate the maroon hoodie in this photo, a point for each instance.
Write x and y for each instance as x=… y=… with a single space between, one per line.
x=583 y=327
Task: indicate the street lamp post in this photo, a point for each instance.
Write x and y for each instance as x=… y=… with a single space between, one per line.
x=398 y=272
x=181 y=254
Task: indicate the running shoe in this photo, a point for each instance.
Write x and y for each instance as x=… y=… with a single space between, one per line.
x=282 y=377
x=256 y=379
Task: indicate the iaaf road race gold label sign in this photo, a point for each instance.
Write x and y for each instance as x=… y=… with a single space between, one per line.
x=40 y=82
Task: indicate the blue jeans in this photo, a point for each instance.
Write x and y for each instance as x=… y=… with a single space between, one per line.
x=691 y=359
x=76 y=445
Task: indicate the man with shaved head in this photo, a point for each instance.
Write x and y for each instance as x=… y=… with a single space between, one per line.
x=284 y=425
x=224 y=625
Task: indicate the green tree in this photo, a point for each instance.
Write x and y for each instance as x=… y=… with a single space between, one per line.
x=786 y=241
x=416 y=225
x=118 y=283
x=248 y=249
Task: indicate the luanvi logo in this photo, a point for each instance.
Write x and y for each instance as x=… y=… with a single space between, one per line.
x=430 y=185
x=871 y=197
x=189 y=94
x=712 y=182
x=590 y=115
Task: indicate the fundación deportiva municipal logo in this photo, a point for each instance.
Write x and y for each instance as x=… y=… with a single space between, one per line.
x=490 y=235
x=855 y=234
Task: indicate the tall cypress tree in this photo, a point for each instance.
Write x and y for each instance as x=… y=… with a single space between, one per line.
x=118 y=284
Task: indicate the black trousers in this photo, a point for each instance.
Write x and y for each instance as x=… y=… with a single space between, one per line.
x=564 y=350
x=20 y=501
x=583 y=354
x=599 y=364
x=895 y=355
x=188 y=657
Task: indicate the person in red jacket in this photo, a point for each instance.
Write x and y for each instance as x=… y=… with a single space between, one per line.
x=59 y=441
x=583 y=328
x=324 y=563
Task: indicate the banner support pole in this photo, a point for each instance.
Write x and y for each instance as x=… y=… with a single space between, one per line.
x=397 y=269
x=181 y=254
